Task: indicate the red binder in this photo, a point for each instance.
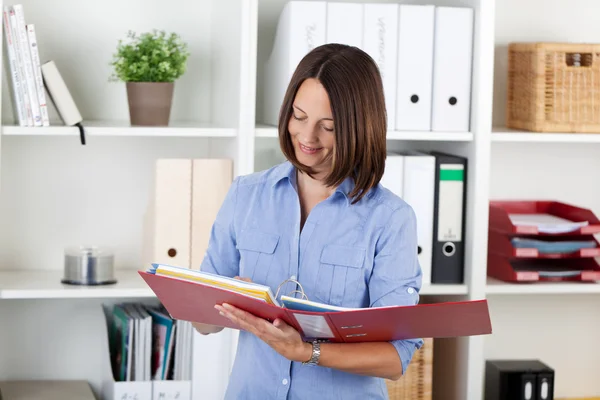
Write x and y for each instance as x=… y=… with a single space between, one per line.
x=191 y=301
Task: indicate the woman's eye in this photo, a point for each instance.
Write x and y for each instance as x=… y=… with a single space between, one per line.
x=298 y=118
x=328 y=129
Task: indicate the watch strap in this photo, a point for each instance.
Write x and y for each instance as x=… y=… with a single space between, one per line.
x=316 y=354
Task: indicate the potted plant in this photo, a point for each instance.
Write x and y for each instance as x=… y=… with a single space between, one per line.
x=149 y=64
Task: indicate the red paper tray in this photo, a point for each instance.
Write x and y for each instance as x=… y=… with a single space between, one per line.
x=499 y=220
x=507 y=270
x=500 y=244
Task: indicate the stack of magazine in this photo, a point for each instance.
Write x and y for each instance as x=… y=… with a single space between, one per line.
x=147 y=344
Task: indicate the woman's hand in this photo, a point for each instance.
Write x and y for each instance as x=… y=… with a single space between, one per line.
x=283 y=338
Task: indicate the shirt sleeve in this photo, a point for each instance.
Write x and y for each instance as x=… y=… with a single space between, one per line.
x=396 y=277
x=222 y=256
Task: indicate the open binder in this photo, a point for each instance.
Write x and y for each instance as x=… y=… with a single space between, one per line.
x=194 y=301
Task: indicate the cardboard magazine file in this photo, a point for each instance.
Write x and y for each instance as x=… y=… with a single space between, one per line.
x=184 y=201
x=193 y=301
x=111 y=388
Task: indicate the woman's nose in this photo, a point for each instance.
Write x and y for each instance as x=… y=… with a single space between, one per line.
x=309 y=135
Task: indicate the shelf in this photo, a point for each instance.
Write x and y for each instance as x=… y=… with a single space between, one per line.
x=443 y=289
x=123 y=128
x=501 y=134
x=495 y=286
x=32 y=284
x=267 y=131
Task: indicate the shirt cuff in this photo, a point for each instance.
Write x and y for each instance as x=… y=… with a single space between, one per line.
x=406 y=349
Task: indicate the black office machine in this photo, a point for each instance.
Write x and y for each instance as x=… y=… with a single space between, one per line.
x=518 y=380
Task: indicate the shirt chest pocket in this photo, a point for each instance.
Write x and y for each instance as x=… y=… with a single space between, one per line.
x=257 y=250
x=341 y=280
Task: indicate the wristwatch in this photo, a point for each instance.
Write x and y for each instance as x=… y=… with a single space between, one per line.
x=316 y=354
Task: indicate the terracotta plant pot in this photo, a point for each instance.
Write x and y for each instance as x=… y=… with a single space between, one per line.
x=150 y=102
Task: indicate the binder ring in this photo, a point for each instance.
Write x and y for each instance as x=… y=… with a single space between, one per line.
x=301 y=291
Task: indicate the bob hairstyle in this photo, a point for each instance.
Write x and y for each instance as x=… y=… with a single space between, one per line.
x=353 y=83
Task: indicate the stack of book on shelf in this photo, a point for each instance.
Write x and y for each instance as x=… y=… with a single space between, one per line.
x=424 y=55
x=28 y=96
x=149 y=351
x=191 y=295
x=434 y=185
x=30 y=78
x=542 y=241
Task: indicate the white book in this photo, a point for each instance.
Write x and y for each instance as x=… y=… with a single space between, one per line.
x=60 y=95
x=345 y=23
x=415 y=67
x=380 y=41
x=37 y=74
x=19 y=110
x=21 y=66
x=301 y=28
x=28 y=65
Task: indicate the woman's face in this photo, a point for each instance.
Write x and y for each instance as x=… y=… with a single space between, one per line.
x=311 y=126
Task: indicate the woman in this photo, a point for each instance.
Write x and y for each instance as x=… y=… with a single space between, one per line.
x=323 y=220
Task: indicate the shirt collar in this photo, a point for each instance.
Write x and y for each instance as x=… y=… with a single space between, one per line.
x=287 y=171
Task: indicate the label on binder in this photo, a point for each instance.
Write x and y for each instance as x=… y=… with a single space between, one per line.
x=314 y=326
x=450 y=202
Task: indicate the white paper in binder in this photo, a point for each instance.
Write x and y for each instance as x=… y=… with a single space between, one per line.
x=345 y=23
x=380 y=41
x=415 y=67
x=301 y=28
x=60 y=95
x=452 y=66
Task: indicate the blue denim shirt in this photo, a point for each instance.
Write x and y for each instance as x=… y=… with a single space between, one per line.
x=352 y=255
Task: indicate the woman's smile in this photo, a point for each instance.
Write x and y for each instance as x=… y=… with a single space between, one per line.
x=309 y=150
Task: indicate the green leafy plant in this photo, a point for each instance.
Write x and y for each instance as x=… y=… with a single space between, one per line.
x=150 y=57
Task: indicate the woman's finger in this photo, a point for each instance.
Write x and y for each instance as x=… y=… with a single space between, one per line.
x=246 y=320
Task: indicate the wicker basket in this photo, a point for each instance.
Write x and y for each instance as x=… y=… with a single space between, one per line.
x=553 y=87
x=416 y=384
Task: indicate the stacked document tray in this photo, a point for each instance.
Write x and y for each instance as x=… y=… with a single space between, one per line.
x=542 y=241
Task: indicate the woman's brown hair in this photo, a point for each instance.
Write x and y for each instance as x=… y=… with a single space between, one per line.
x=352 y=81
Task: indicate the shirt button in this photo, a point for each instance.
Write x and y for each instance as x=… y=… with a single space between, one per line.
x=410 y=290
x=285 y=381
x=293 y=277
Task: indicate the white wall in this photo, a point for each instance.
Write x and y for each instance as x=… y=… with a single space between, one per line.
x=561 y=329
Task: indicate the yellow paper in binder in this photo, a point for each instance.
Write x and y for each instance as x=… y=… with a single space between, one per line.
x=251 y=289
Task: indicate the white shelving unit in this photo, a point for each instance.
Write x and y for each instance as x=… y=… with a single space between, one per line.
x=56 y=193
